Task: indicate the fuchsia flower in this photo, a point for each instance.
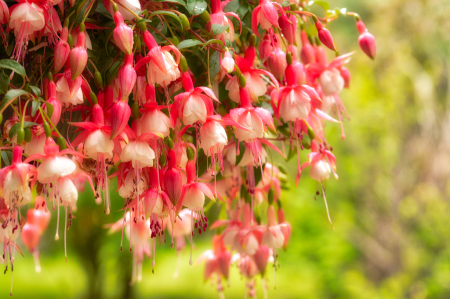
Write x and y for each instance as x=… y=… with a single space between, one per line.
x=218 y=17
x=276 y=62
x=69 y=91
x=256 y=85
x=15 y=179
x=266 y=15
x=194 y=105
x=133 y=5
x=288 y=24
x=26 y=19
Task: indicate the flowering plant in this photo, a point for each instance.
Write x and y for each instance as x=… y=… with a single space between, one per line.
x=183 y=103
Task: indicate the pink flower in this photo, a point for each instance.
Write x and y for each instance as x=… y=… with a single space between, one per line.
x=155 y=121
x=26 y=19
x=213 y=137
x=331 y=81
x=273 y=237
x=276 y=62
x=266 y=15
x=194 y=105
x=155 y=75
x=138 y=152
x=133 y=5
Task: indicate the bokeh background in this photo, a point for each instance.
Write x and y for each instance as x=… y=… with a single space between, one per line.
x=390 y=206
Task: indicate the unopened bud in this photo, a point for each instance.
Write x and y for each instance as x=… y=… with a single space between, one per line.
x=47 y=130
x=190 y=153
x=185 y=22
x=20 y=136
x=93 y=98
x=205 y=16
x=27 y=134
x=61 y=143
x=183 y=64
x=98 y=80
x=270 y=196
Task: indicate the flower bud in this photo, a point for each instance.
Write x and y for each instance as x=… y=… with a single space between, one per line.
x=345 y=73
x=78 y=55
x=288 y=25
x=61 y=51
x=27 y=134
x=366 y=40
x=325 y=36
x=127 y=77
x=265 y=48
x=185 y=22
x=122 y=34
x=120 y=114
x=228 y=62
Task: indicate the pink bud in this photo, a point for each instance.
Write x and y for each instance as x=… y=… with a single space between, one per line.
x=31 y=235
x=39 y=217
x=228 y=62
x=120 y=114
x=325 y=36
x=265 y=48
x=127 y=77
x=123 y=35
x=277 y=63
x=62 y=51
x=288 y=25
x=172 y=179
x=366 y=40
x=307 y=52
x=261 y=258
x=78 y=56
x=52 y=100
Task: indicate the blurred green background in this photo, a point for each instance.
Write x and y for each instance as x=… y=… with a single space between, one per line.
x=390 y=206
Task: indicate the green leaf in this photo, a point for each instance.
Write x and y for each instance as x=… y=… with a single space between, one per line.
x=181 y=2
x=241 y=153
x=6 y=157
x=4 y=82
x=35 y=90
x=12 y=94
x=218 y=29
x=34 y=107
x=13 y=66
x=202 y=162
x=187 y=43
x=16 y=127
x=232 y=6
x=214 y=65
x=258 y=173
x=323 y=4
x=196 y=7
x=101 y=9
x=111 y=73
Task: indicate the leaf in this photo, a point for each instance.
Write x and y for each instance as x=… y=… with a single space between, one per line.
x=181 y=2
x=111 y=73
x=16 y=127
x=258 y=173
x=6 y=157
x=187 y=43
x=12 y=94
x=214 y=65
x=241 y=153
x=81 y=11
x=13 y=66
x=218 y=29
x=101 y=9
x=35 y=90
x=232 y=6
x=323 y=4
x=196 y=7
x=34 y=107
x=4 y=82
x=202 y=162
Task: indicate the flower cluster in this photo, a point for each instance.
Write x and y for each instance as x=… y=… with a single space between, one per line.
x=183 y=104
